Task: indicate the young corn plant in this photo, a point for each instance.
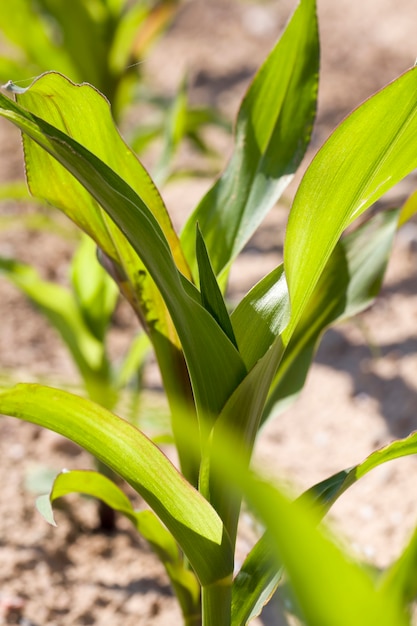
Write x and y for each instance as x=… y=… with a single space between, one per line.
x=226 y=373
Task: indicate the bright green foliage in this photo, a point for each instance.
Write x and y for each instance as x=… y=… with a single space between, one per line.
x=329 y=586
x=273 y=131
x=160 y=539
x=225 y=372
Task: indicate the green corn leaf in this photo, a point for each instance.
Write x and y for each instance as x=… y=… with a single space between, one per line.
x=367 y=154
x=255 y=582
x=211 y=295
x=223 y=368
x=258 y=322
x=98 y=486
x=349 y=283
x=124 y=449
x=329 y=490
x=146 y=523
x=124 y=36
x=260 y=576
x=241 y=414
x=261 y=316
x=400 y=580
x=272 y=133
x=83 y=113
x=330 y=588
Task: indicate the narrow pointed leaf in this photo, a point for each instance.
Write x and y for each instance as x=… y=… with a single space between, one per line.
x=98 y=486
x=186 y=514
x=211 y=295
x=368 y=153
x=272 y=133
x=329 y=490
x=349 y=283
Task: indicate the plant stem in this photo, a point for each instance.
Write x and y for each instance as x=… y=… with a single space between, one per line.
x=216 y=603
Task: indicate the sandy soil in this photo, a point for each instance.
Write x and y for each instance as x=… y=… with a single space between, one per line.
x=361 y=392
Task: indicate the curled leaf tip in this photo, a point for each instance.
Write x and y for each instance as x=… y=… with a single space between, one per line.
x=10 y=86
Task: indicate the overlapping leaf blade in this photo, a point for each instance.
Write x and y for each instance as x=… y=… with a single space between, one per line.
x=349 y=283
x=260 y=576
x=255 y=582
x=145 y=521
x=329 y=586
x=211 y=295
x=318 y=571
x=272 y=133
x=367 y=154
x=214 y=380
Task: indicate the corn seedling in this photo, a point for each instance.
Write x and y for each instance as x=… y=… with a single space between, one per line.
x=226 y=373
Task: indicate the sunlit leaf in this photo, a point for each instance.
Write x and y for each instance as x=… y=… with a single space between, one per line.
x=146 y=523
x=223 y=368
x=186 y=514
x=349 y=283
x=365 y=156
x=272 y=133
x=329 y=490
